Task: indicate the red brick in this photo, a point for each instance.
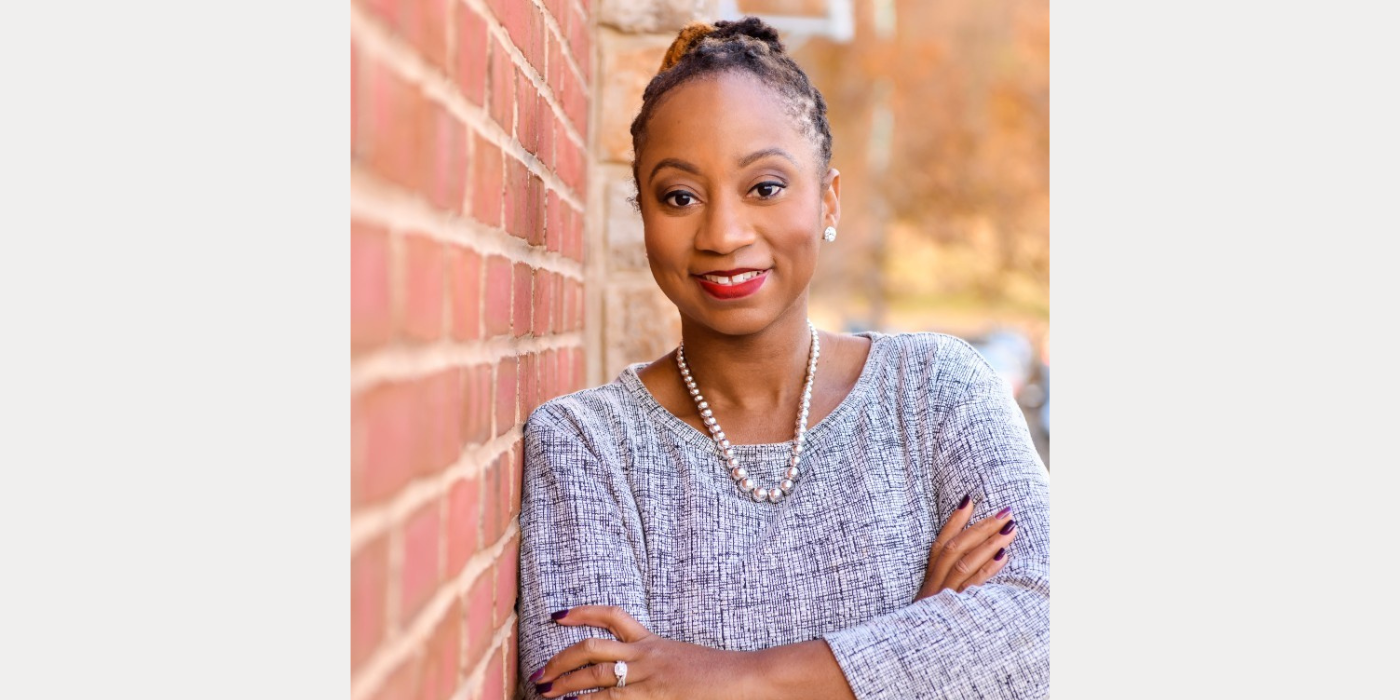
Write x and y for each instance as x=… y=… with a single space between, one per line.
x=513 y=657
x=548 y=123
x=531 y=107
x=553 y=221
x=506 y=388
x=463 y=523
x=500 y=494
x=502 y=87
x=569 y=163
x=440 y=671
x=573 y=222
x=471 y=55
x=487 y=174
x=557 y=322
x=554 y=57
x=517 y=184
x=479 y=630
x=480 y=404
x=573 y=301
x=528 y=383
x=517 y=473
x=534 y=208
x=544 y=297
x=447 y=161
x=574 y=100
x=507 y=568
x=369 y=577
x=464 y=292
x=493 y=686
x=394 y=127
x=516 y=20
x=498 y=286
x=423 y=288
x=420 y=573
x=389 y=414
x=370 y=309
x=538 y=34
x=433 y=28
x=442 y=437
x=578 y=32
x=524 y=281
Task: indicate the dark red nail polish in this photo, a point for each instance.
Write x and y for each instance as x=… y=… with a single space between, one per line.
x=1002 y=513
x=966 y=500
x=543 y=688
x=536 y=675
x=1000 y=553
x=559 y=615
x=1008 y=527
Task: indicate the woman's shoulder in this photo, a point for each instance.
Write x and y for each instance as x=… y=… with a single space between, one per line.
x=601 y=408
x=927 y=350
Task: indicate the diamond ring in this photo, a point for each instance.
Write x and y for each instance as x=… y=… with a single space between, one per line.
x=620 y=668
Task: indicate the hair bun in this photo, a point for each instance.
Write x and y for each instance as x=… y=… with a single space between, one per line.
x=752 y=27
x=692 y=34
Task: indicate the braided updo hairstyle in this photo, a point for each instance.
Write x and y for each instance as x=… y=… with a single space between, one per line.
x=748 y=45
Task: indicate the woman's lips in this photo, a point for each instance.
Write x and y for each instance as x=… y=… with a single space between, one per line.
x=720 y=290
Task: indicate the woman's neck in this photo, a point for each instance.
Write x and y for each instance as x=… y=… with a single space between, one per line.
x=755 y=372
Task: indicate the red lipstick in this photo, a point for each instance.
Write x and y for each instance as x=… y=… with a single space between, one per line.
x=732 y=290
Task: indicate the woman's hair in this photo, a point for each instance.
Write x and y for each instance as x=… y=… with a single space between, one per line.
x=748 y=45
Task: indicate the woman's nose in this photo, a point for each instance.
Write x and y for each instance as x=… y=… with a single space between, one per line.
x=725 y=229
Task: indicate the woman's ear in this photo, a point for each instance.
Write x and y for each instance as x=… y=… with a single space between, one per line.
x=831 y=198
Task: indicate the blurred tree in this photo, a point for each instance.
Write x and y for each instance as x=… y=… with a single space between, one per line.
x=940 y=112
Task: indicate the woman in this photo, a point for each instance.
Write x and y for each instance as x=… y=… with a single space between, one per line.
x=756 y=514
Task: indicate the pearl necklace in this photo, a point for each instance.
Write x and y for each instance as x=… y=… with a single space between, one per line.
x=726 y=451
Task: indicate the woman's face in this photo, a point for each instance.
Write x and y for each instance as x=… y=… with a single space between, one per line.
x=733 y=203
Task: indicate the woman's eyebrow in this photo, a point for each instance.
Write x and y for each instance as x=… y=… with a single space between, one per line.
x=774 y=151
x=676 y=163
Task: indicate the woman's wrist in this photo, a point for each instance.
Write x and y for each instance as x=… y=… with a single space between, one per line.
x=805 y=670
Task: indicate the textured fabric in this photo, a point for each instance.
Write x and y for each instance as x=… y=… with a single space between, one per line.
x=625 y=504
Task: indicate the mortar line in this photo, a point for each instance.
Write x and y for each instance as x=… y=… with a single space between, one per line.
x=376 y=202
x=368 y=522
x=380 y=43
x=399 y=363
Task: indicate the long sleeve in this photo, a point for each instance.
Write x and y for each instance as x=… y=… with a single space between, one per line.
x=580 y=539
x=992 y=641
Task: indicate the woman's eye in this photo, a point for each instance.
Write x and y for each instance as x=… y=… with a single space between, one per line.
x=768 y=190
x=679 y=198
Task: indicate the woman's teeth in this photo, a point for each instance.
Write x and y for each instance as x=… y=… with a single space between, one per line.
x=736 y=279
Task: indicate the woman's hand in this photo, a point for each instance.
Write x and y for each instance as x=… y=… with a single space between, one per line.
x=962 y=558
x=656 y=667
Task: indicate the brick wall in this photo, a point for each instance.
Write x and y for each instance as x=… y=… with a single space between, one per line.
x=468 y=181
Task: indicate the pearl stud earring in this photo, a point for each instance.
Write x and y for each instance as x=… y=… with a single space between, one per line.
x=829 y=234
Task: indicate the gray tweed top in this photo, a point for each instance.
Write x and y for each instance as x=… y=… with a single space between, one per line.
x=625 y=504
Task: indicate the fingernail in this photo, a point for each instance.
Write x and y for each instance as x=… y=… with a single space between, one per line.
x=559 y=615
x=966 y=500
x=543 y=687
x=1003 y=512
x=536 y=675
x=1000 y=553
x=1008 y=527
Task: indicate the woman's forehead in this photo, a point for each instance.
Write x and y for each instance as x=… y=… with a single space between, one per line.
x=723 y=118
